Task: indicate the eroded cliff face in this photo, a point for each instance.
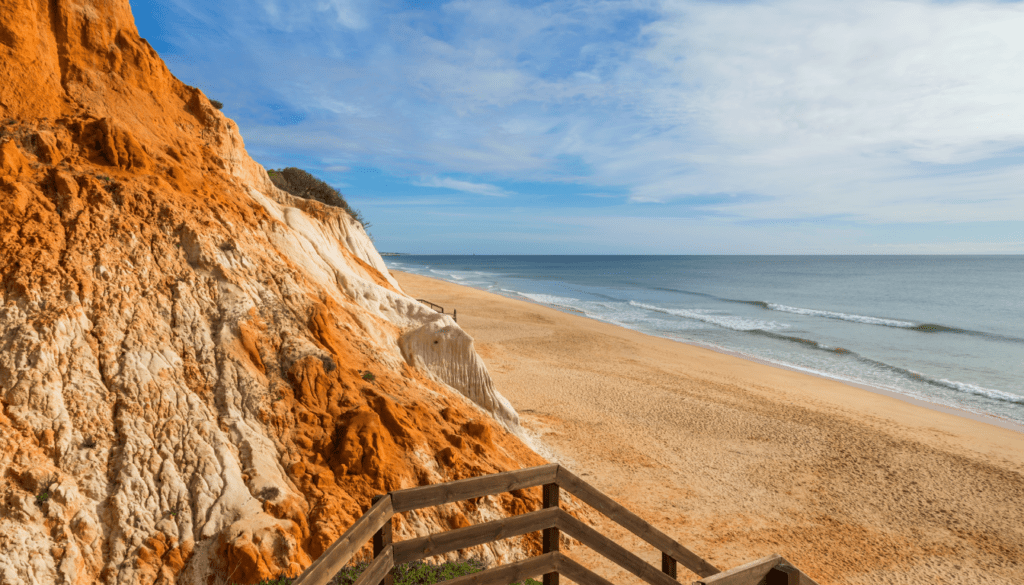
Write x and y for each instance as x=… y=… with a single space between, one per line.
x=203 y=379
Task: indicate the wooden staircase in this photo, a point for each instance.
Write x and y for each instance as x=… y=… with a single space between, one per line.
x=550 y=520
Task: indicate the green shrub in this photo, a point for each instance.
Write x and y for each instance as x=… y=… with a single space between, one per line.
x=216 y=104
x=44 y=492
x=302 y=184
x=414 y=573
x=369 y=377
x=278 y=581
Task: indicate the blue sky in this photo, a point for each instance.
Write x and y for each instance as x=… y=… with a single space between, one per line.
x=633 y=126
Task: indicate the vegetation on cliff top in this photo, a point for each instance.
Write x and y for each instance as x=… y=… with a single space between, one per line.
x=302 y=184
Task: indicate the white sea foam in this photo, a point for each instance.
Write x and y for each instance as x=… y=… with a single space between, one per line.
x=980 y=391
x=459 y=276
x=725 y=321
x=617 y=313
x=446 y=274
x=548 y=299
x=843 y=316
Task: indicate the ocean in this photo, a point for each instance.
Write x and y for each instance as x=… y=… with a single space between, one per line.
x=945 y=329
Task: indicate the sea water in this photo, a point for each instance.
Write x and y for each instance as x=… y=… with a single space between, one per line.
x=946 y=329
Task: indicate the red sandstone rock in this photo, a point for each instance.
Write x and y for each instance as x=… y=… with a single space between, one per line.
x=183 y=345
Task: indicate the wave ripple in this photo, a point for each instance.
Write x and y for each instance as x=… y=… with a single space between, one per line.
x=726 y=321
x=842 y=316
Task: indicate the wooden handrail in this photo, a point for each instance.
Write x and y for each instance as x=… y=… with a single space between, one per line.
x=630 y=521
x=434 y=306
x=378 y=569
x=342 y=550
x=440 y=309
x=550 y=519
x=510 y=573
x=437 y=544
x=610 y=550
x=756 y=572
x=477 y=487
x=578 y=572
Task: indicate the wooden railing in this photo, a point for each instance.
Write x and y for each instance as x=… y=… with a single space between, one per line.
x=440 y=309
x=550 y=519
x=771 y=570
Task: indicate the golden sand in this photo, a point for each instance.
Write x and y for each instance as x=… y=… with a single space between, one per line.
x=737 y=459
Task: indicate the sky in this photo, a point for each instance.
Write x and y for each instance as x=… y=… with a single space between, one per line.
x=632 y=126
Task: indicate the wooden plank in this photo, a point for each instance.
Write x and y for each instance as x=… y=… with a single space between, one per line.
x=634 y=523
x=748 y=574
x=382 y=540
x=782 y=574
x=753 y=572
x=505 y=574
x=550 y=537
x=379 y=568
x=577 y=572
x=668 y=566
x=342 y=550
x=605 y=546
x=787 y=567
x=465 y=489
x=415 y=549
x=805 y=580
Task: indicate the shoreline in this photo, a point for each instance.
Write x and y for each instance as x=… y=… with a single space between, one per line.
x=982 y=417
x=738 y=459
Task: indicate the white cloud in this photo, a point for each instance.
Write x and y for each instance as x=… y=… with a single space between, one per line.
x=295 y=16
x=935 y=78
x=853 y=108
x=464 y=186
x=876 y=110
x=348 y=13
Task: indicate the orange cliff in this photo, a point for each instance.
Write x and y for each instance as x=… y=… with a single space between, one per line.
x=185 y=348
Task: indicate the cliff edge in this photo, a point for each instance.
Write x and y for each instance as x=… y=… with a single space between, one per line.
x=203 y=379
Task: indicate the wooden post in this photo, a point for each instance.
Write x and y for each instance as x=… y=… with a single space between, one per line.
x=668 y=566
x=783 y=574
x=455 y=315
x=381 y=539
x=550 y=535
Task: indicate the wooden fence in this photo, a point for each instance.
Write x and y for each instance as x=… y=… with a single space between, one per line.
x=440 y=309
x=375 y=524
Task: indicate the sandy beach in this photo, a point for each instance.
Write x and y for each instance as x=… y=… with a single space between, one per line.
x=738 y=459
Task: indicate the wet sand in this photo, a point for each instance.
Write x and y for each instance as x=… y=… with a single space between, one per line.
x=738 y=459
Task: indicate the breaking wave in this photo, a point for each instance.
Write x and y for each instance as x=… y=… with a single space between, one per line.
x=881 y=321
x=835 y=315
x=978 y=390
x=963 y=387
x=566 y=302
x=726 y=321
x=803 y=341
x=851 y=317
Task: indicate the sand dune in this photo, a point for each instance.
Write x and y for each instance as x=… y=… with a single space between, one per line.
x=738 y=460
